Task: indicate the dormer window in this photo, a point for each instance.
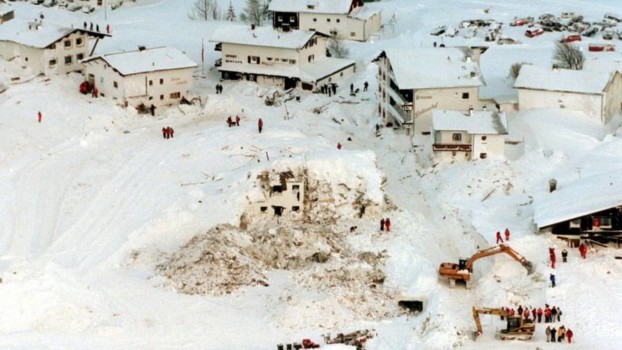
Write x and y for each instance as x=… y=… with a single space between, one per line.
x=311 y=6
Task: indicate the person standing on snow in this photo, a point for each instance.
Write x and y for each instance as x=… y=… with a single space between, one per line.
x=39 y=116
x=387 y=224
x=260 y=125
x=164 y=132
x=507 y=234
x=540 y=312
x=552 y=278
x=382 y=224
x=553 y=257
x=553 y=334
x=171 y=131
x=338 y=145
x=569 y=335
x=365 y=86
x=237 y=120
x=548 y=334
x=583 y=250
x=560 y=334
x=564 y=255
x=499 y=237
x=553 y=314
x=559 y=314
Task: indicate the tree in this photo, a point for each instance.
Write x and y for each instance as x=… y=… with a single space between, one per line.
x=265 y=12
x=515 y=69
x=201 y=9
x=215 y=10
x=230 y=13
x=568 y=56
x=252 y=12
x=337 y=48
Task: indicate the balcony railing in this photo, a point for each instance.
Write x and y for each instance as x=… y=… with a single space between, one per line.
x=218 y=47
x=449 y=147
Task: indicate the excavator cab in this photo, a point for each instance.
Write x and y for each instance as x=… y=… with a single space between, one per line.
x=462 y=264
x=513 y=323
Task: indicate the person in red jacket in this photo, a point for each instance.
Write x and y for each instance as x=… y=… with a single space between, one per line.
x=507 y=234
x=338 y=145
x=164 y=132
x=540 y=312
x=583 y=250
x=553 y=258
x=260 y=125
x=499 y=237
x=569 y=335
x=547 y=315
x=387 y=224
x=39 y=116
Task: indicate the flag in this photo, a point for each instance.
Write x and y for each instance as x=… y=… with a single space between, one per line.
x=202 y=51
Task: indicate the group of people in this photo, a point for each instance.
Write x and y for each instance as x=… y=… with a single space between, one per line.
x=90 y=27
x=560 y=334
x=168 y=132
x=232 y=122
x=507 y=236
x=330 y=89
x=218 y=89
x=385 y=224
x=551 y=314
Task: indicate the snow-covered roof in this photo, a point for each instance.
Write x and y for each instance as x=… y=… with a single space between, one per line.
x=582 y=197
x=148 y=60
x=19 y=31
x=308 y=72
x=311 y=6
x=262 y=36
x=480 y=122
x=363 y=12
x=5 y=9
x=580 y=81
x=432 y=68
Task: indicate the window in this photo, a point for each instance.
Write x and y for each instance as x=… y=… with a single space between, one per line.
x=295 y=208
x=312 y=29
x=268 y=58
x=150 y=82
x=279 y=18
x=175 y=95
x=161 y=81
x=68 y=59
x=465 y=95
x=52 y=63
x=315 y=20
x=483 y=156
x=263 y=209
x=79 y=42
x=67 y=43
x=253 y=59
x=295 y=187
x=150 y=98
x=483 y=138
x=115 y=84
x=341 y=74
x=338 y=20
x=277 y=188
x=79 y=56
x=352 y=34
x=161 y=97
x=311 y=57
x=292 y=19
x=328 y=20
x=456 y=137
x=292 y=61
x=53 y=46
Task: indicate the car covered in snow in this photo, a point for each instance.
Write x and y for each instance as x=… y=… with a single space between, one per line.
x=534 y=32
x=571 y=38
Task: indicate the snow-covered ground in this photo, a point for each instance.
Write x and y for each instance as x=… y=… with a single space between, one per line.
x=93 y=199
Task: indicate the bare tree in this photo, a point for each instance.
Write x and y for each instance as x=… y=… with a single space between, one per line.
x=230 y=13
x=337 y=48
x=216 y=11
x=252 y=12
x=568 y=56
x=200 y=9
x=515 y=69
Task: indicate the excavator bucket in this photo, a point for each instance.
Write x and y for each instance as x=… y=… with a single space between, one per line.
x=474 y=335
x=529 y=266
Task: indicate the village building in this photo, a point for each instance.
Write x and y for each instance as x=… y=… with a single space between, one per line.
x=597 y=93
x=156 y=76
x=414 y=82
x=294 y=59
x=343 y=19
x=470 y=135
x=6 y=14
x=590 y=207
x=44 y=48
x=282 y=194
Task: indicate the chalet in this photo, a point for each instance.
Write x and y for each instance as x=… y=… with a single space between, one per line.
x=471 y=135
x=414 y=82
x=159 y=76
x=597 y=93
x=45 y=48
x=281 y=193
x=294 y=59
x=344 y=19
x=590 y=206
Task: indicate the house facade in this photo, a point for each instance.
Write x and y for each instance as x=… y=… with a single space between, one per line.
x=597 y=93
x=343 y=19
x=6 y=13
x=42 y=47
x=280 y=194
x=156 y=76
x=414 y=82
x=470 y=135
x=294 y=59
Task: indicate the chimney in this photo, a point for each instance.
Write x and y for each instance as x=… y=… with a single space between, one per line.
x=473 y=75
x=552 y=185
x=484 y=108
x=470 y=111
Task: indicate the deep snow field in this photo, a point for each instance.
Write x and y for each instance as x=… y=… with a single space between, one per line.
x=93 y=199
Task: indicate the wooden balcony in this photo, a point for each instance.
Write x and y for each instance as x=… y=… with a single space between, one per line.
x=451 y=148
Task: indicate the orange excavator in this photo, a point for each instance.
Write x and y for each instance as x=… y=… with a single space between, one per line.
x=517 y=327
x=464 y=268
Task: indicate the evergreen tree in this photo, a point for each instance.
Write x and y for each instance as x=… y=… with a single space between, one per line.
x=231 y=17
x=252 y=12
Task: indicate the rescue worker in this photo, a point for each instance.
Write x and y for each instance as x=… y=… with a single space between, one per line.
x=499 y=237
x=552 y=256
x=569 y=335
x=540 y=312
x=552 y=278
x=564 y=255
x=553 y=334
x=548 y=334
x=39 y=116
x=382 y=224
x=260 y=125
x=507 y=234
x=387 y=224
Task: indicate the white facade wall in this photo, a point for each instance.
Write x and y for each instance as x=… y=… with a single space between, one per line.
x=341 y=25
x=318 y=50
x=238 y=54
x=336 y=78
x=493 y=146
x=159 y=88
x=426 y=100
x=482 y=146
x=613 y=98
x=590 y=104
x=291 y=199
x=51 y=60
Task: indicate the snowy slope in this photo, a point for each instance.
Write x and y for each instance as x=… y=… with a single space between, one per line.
x=93 y=198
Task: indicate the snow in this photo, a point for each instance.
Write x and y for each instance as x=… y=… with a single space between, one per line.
x=480 y=122
x=363 y=12
x=18 y=30
x=319 y=6
x=262 y=36
x=420 y=68
x=94 y=199
x=567 y=80
x=148 y=60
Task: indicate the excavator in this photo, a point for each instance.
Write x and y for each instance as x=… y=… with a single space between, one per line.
x=517 y=327
x=463 y=269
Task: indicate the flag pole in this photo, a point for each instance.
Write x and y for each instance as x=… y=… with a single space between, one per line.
x=202 y=57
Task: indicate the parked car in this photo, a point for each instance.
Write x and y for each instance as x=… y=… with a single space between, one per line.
x=74 y=7
x=88 y=8
x=571 y=38
x=36 y=2
x=534 y=32
x=601 y=47
x=438 y=30
x=519 y=22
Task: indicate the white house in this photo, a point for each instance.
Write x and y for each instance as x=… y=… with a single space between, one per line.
x=159 y=76
x=414 y=82
x=43 y=47
x=597 y=93
x=280 y=193
x=294 y=59
x=345 y=19
x=470 y=135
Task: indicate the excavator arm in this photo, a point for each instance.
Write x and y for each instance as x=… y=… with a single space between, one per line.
x=486 y=311
x=501 y=248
